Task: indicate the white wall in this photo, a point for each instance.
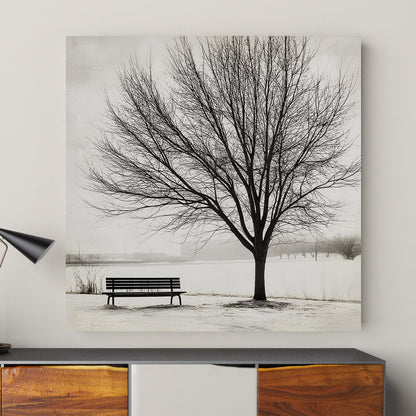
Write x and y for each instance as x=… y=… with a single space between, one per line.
x=32 y=112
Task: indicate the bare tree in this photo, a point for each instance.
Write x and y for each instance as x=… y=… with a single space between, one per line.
x=244 y=138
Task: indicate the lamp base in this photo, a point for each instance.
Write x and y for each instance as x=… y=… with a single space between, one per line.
x=4 y=348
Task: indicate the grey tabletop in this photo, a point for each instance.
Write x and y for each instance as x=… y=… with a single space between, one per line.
x=232 y=356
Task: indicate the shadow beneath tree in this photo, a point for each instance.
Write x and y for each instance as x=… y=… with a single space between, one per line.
x=257 y=304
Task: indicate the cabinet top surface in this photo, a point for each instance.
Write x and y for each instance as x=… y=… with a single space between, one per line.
x=243 y=356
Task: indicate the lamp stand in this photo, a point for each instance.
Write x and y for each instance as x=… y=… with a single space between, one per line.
x=31 y=246
x=6 y=247
x=4 y=347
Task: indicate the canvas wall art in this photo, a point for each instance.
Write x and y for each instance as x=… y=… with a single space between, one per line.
x=213 y=184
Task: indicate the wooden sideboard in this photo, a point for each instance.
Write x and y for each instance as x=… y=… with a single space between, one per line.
x=302 y=382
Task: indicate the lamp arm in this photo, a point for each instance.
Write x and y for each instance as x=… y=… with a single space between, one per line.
x=5 y=250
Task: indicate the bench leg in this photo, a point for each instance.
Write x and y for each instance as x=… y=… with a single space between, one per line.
x=171 y=300
x=180 y=300
x=113 y=300
x=108 y=300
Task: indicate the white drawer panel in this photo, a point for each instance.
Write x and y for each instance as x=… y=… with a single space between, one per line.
x=190 y=390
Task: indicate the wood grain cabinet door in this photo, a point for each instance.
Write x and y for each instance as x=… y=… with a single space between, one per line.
x=64 y=390
x=321 y=390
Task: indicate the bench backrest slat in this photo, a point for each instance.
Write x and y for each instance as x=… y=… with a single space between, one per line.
x=142 y=283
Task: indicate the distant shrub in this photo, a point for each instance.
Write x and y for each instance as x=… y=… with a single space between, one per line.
x=349 y=247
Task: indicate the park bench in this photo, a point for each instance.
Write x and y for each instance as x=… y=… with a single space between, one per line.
x=142 y=287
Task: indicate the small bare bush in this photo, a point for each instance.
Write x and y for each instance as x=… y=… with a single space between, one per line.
x=349 y=247
x=87 y=276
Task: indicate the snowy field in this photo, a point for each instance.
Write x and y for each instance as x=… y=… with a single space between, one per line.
x=208 y=313
x=329 y=278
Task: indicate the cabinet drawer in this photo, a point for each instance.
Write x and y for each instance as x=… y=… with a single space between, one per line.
x=193 y=390
x=64 y=390
x=321 y=390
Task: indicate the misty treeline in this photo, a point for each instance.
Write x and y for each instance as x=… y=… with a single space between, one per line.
x=81 y=259
x=349 y=247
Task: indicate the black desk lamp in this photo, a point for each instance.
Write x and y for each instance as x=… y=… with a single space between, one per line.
x=31 y=246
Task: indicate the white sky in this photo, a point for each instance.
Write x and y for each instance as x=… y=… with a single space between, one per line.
x=92 y=65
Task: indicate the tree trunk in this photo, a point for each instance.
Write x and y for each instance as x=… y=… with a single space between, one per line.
x=259 y=288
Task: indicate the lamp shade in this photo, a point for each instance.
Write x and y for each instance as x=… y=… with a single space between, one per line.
x=31 y=246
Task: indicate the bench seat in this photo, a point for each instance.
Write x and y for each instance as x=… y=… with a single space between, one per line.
x=142 y=287
x=142 y=294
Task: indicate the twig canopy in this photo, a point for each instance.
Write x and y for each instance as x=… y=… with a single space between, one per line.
x=246 y=138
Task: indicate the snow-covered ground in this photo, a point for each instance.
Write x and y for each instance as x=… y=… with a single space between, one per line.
x=307 y=285
x=208 y=313
x=329 y=278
